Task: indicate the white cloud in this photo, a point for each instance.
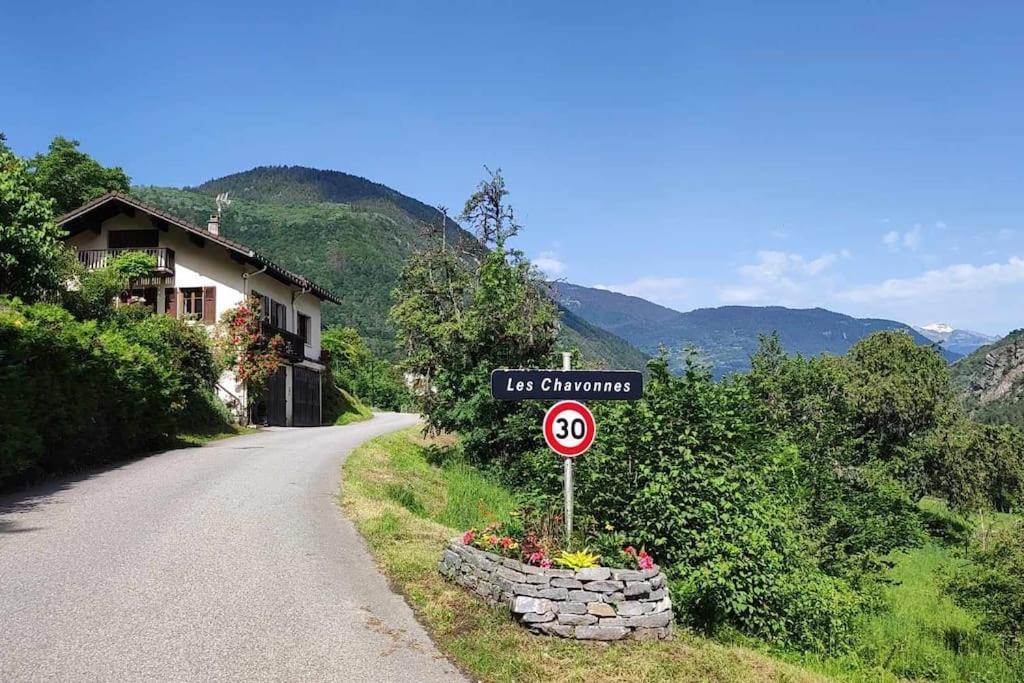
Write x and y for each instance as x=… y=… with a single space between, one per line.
x=550 y=264
x=911 y=239
x=780 y=277
x=963 y=277
x=667 y=291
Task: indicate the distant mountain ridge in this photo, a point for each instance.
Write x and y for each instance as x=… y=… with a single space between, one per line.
x=990 y=381
x=955 y=340
x=725 y=337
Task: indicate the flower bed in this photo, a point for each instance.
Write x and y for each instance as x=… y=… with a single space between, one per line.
x=596 y=603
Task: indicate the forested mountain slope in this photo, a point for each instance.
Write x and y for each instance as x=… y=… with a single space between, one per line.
x=303 y=185
x=350 y=235
x=725 y=337
x=991 y=380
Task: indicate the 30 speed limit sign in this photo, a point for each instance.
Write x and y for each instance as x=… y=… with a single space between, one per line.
x=569 y=428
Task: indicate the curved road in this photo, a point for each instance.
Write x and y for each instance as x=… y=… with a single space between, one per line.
x=226 y=562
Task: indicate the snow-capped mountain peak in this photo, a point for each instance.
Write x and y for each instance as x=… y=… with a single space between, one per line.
x=938 y=328
x=953 y=339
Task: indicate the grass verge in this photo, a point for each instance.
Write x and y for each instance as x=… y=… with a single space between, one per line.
x=185 y=440
x=924 y=635
x=407 y=508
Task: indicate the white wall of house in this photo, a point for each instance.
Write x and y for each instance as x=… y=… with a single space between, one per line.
x=210 y=265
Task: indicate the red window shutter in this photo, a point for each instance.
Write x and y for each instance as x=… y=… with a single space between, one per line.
x=209 y=305
x=171 y=302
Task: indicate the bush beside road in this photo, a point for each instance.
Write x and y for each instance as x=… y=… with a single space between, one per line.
x=408 y=495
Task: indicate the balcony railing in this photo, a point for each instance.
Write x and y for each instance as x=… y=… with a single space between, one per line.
x=293 y=347
x=99 y=258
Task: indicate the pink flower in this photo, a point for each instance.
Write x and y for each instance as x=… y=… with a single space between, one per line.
x=468 y=537
x=537 y=558
x=630 y=550
x=644 y=561
x=545 y=563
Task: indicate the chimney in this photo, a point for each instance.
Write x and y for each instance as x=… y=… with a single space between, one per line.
x=214 y=225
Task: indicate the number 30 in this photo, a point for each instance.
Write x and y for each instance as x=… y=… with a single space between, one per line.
x=577 y=427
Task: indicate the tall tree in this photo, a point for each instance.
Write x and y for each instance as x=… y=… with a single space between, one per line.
x=33 y=260
x=493 y=220
x=71 y=177
x=459 y=316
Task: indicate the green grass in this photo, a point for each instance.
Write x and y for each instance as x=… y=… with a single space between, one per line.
x=409 y=496
x=186 y=440
x=924 y=635
x=359 y=415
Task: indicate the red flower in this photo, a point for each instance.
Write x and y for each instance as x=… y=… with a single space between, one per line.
x=468 y=537
x=630 y=550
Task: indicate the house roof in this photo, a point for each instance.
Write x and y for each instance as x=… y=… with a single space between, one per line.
x=119 y=199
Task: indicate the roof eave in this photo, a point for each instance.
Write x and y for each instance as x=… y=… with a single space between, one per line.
x=289 y=277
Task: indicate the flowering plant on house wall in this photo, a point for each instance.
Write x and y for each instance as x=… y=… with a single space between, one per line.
x=244 y=349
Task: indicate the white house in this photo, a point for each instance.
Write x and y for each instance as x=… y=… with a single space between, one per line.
x=199 y=275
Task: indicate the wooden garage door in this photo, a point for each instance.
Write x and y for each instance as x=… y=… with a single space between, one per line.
x=305 y=397
x=276 y=398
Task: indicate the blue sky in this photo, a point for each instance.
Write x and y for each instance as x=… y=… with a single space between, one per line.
x=864 y=157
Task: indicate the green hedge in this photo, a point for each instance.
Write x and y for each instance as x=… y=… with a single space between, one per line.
x=76 y=393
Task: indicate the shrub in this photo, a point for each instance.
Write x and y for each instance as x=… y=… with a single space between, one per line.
x=992 y=582
x=76 y=394
x=95 y=290
x=372 y=380
x=82 y=394
x=688 y=474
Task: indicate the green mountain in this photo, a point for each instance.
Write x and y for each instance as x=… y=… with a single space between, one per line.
x=303 y=185
x=350 y=235
x=990 y=381
x=724 y=337
x=599 y=347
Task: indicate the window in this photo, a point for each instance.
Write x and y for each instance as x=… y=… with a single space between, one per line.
x=278 y=315
x=274 y=313
x=304 y=328
x=145 y=296
x=192 y=302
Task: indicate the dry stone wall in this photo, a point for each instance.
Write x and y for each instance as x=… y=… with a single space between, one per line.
x=598 y=603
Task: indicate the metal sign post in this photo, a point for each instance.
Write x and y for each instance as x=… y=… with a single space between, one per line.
x=567 y=365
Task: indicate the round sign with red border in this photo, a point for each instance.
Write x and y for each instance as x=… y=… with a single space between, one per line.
x=569 y=428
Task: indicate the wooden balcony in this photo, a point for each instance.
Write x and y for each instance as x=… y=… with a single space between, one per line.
x=294 y=346
x=100 y=258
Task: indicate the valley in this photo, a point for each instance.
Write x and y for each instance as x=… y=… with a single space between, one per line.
x=353 y=234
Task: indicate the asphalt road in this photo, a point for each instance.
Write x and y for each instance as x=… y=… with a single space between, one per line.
x=226 y=562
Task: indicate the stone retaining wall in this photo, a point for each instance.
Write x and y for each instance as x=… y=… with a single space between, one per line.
x=590 y=604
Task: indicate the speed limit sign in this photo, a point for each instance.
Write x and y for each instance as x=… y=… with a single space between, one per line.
x=569 y=428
